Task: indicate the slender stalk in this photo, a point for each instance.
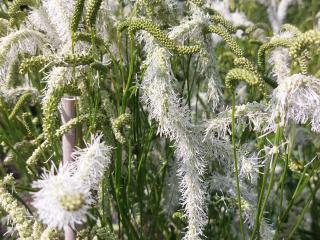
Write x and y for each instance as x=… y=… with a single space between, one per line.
x=274 y=164
x=68 y=143
x=236 y=162
x=129 y=80
x=300 y=218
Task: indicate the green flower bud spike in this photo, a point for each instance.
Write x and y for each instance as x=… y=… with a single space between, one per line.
x=18 y=213
x=234 y=46
x=228 y=25
x=239 y=74
x=299 y=49
x=76 y=17
x=280 y=42
x=92 y=12
x=154 y=30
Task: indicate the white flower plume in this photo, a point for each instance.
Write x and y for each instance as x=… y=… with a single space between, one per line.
x=22 y=41
x=91 y=162
x=173 y=117
x=54 y=186
x=297 y=98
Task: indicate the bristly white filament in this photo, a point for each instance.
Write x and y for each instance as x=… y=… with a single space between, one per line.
x=64 y=195
x=92 y=161
x=173 y=118
x=227 y=185
x=60 y=13
x=279 y=58
x=53 y=186
x=22 y=41
x=297 y=98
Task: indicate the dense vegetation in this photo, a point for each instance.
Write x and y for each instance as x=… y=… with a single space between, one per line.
x=193 y=119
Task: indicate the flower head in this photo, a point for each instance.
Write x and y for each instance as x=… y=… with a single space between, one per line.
x=91 y=162
x=297 y=98
x=62 y=200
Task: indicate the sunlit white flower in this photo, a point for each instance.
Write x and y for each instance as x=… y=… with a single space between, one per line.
x=24 y=40
x=60 y=13
x=279 y=58
x=249 y=166
x=39 y=19
x=92 y=161
x=62 y=200
x=277 y=11
x=254 y=115
x=297 y=98
x=173 y=118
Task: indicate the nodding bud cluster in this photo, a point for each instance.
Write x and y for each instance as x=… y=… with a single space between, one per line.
x=228 y=25
x=144 y=24
x=252 y=28
x=239 y=74
x=290 y=28
x=15 y=12
x=300 y=48
x=77 y=13
x=197 y=2
x=244 y=63
x=276 y=42
x=63 y=61
x=234 y=46
x=92 y=12
x=117 y=124
x=18 y=213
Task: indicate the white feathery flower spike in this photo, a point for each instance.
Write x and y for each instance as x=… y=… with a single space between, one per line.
x=297 y=98
x=173 y=117
x=39 y=19
x=277 y=11
x=24 y=40
x=279 y=58
x=62 y=200
x=256 y=113
x=226 y=184
x=60 y=13
x=92 y=161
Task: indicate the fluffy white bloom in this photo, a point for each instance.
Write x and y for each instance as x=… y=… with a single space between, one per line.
x=297 y=98
x=277 y=11
x=24 y=40
x=173 y=117
x=60 y=13
x=254 y=115
x=249 y=166
x=279 y=58
x=92 y=161
x=39 y=19
x=190 y=27
x=62 y=200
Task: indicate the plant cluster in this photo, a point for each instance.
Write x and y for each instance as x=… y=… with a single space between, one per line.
x=194 y=119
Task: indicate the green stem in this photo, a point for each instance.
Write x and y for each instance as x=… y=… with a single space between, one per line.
x=236 y=162
x=300 y=217
x=262 y=207
x=129 y=80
